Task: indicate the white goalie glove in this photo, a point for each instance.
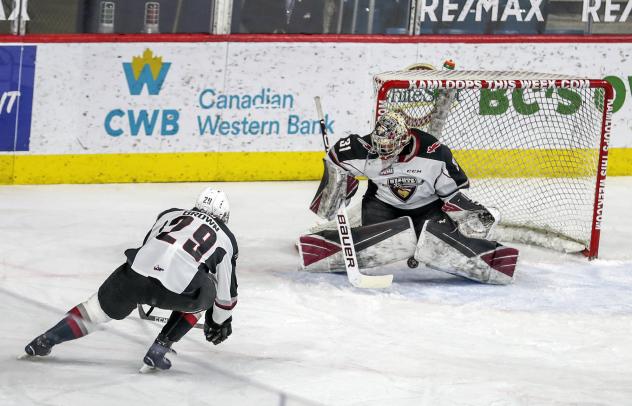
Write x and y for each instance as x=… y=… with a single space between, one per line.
x=474 y=220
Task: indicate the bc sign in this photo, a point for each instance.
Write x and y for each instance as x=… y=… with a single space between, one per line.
x=17 y=75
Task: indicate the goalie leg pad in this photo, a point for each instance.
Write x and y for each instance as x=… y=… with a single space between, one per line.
x=376 y=244
x=444 y=248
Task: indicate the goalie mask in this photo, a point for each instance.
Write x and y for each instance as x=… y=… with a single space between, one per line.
x=390 y=135
x=215 y=203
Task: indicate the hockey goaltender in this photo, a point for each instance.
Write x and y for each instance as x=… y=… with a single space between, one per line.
x=414 y=207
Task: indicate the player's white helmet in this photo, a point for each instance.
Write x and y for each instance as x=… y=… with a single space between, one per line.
x=390 y=135
x=215 y=203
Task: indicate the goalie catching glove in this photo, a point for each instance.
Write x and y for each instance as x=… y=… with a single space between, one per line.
x=473 y=219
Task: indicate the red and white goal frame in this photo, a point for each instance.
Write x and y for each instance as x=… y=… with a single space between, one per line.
x=594 y=148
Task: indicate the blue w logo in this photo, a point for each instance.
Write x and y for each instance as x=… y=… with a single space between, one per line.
x=146 y=71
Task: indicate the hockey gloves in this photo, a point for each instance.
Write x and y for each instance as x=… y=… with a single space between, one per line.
x=216 y=333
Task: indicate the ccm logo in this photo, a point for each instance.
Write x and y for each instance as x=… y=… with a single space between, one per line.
x=345 y=241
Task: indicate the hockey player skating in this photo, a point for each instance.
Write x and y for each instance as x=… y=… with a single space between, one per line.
x=413 y=206
x=186 y=264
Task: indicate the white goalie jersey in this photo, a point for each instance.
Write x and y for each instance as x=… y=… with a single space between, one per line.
x=424 y=172
x=183 y=242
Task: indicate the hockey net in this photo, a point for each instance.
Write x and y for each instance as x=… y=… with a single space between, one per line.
x=533 y=145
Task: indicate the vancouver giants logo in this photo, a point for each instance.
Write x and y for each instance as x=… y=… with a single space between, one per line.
x=403 y=187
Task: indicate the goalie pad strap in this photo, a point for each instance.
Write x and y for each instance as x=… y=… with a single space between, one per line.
x=375 y=244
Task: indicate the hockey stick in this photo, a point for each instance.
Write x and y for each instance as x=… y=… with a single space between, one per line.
x=357 y=278
x=148 y=316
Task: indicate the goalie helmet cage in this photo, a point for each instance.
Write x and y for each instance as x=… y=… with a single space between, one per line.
x=534 y=145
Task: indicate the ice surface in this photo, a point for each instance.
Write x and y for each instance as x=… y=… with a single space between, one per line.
x=560 y=335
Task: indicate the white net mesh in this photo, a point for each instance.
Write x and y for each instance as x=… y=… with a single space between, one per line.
x=533 y=153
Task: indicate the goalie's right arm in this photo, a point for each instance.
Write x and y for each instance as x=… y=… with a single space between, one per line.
x=338 y=183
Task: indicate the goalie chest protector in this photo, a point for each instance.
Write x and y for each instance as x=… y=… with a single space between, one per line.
x=422 y=173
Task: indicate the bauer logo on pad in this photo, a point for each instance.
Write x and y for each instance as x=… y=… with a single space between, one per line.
x=17 y=77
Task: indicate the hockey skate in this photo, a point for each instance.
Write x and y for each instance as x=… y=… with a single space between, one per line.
x=41 y=346
x=156 y=359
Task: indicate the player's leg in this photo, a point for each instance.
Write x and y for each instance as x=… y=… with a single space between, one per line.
x=430 y=211
x=79 y=321
x=188 y=307
x=114 y=300
x=177 y=326
x=376 y=211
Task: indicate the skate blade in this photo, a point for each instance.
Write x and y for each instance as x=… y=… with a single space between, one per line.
x=146 y=369
x=29 y=357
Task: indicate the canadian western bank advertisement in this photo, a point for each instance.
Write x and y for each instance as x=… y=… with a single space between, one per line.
x=185 y=98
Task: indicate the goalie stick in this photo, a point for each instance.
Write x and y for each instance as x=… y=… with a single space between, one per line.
x=357 y=278
x=148 y=316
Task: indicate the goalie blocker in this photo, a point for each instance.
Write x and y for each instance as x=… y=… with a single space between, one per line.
x=335 y=186
x=441 y=246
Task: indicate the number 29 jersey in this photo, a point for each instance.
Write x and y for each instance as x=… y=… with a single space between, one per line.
x=183 y=242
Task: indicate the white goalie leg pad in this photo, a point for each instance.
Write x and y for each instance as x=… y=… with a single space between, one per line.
x=376 y=245
x=447 y=250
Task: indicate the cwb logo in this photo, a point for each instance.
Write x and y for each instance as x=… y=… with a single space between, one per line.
x=144 y=72
x=147 y=71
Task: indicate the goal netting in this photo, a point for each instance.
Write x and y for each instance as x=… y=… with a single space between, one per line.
x=533 y=145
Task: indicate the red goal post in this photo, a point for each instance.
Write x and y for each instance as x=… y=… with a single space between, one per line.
x=535 y=145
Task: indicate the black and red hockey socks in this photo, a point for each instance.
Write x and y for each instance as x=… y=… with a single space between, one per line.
x=177 y=326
